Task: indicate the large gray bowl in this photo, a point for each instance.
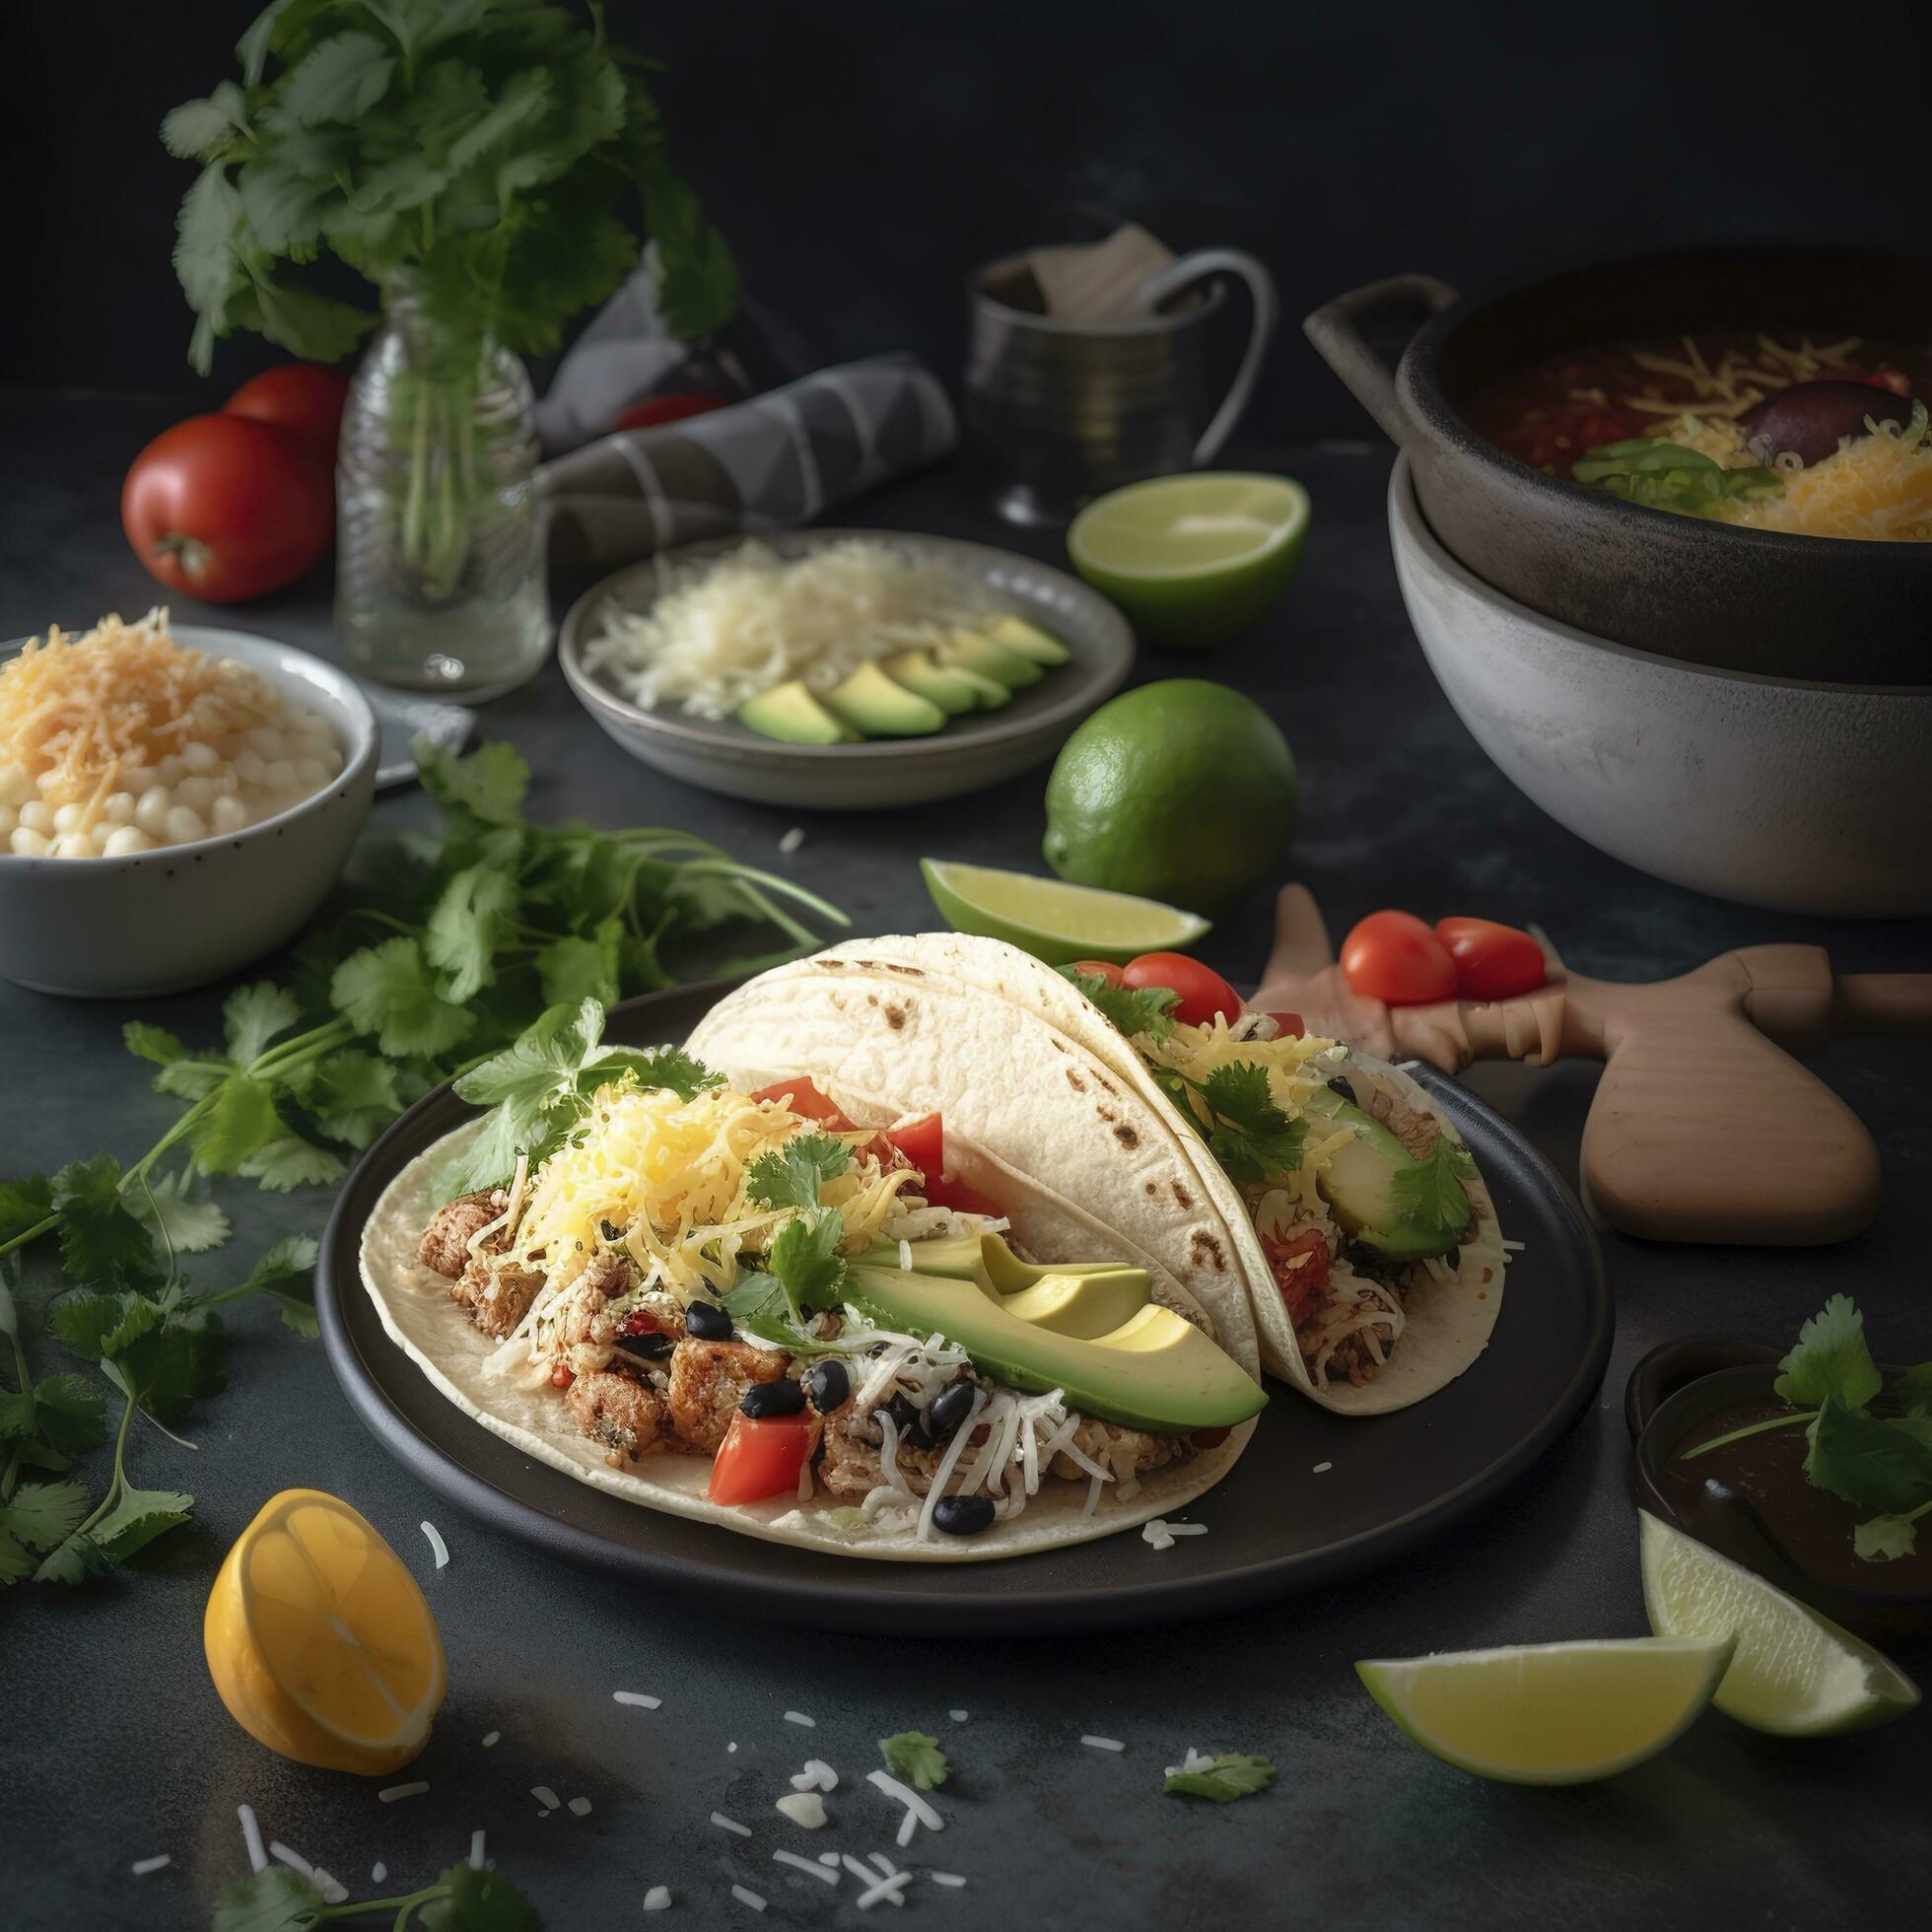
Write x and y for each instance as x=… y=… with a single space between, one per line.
x=181 y=916
x=974 y=751
x=1803 y=798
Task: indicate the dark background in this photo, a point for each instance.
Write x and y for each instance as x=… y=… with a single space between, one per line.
x=863 y=155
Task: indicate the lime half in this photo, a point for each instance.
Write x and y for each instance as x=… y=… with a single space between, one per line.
x=1051 y=920
x=1193 y=558
x=1551 y=1714
x=1796 y=1673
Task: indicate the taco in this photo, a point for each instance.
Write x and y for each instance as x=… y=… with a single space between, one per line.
x=852 y=1282
x=1366 y=1236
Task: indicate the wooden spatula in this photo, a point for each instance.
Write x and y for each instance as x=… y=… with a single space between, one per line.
x=1704 y=1127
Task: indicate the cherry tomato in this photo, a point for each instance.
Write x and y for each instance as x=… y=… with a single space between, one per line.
x=303 y=398
x=1104 y=969
x=1290 y=1025
x=806 y=1100
x=761 y=1456
x=673 y=408
x=1298 y=1278
x=561 y=1376
x=1203 y=991
x=1492 y=961
x=1394 y=957
x=227 y=509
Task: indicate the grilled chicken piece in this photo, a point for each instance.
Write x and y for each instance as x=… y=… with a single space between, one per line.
x=853 y=1458
x=707 y=1380
x=619 y=1413
x=494 y=1297
x=446 y=1241
x=584 y=1318
x=1129 y=1452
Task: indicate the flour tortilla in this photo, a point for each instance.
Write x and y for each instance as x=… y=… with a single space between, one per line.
x=1448 y=1324
x=420 y=1317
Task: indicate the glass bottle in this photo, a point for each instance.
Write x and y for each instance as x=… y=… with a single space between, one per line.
x=439 y=577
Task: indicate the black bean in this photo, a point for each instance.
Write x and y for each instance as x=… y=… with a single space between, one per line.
x=708 y=1322
x=1342 y=1086
x=908 y=1420
x=609 y=1230
x=1454 y=1258
x=650 y=1346
x=963 y=1515
x=780 y=1398
x=950 y=1408
x=828 y=1384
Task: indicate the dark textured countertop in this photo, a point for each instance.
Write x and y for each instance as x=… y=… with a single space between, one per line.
x=113 y=1747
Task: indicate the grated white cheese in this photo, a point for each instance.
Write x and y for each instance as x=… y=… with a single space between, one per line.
x=817 y=1775
x=143 y=1866
x=438 y=1548
x=251 y=1838
x=1321 y=1469
x=1103 y=1744
x=957 y=1716
x=546 y=1797
x=805 y=1807
x=951 y=1879
x=477 y=1849
x=490 y=1738
x=746 y=1896
x=636 y=1698
x=798 y=1717
x=907 y=1797
x=390 y=1793
x=580 y=1807
x=724 y=1823
x=378 y=1872
x=891 y=1883
x=812 y=1867
x=791 y=841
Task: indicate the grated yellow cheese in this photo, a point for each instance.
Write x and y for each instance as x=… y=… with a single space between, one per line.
x=76 y=712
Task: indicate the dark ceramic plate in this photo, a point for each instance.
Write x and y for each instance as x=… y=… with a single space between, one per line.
x=1275 y=1526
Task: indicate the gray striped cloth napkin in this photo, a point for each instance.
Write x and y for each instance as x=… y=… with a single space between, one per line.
x=769 y=463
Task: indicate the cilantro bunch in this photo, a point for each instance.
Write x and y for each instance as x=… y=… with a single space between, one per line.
x=462 y=1900
x=1882 y=1463
x=455 y=945
x=501 y=153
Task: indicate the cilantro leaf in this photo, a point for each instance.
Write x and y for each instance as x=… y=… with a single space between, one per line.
x=154 y=1043
x=252 y=1016
x=274 y=1900
x=281 y=1274
x=1231 y=1775
x=43 y=1515
x=1832 y=1358
x=101 y=1245
x=182 y=1225
x=23 y=1203
x=291 y=1162
x=68 y=1416
x=488 y=785
x=574 y=968
x=1134 y=1010
x=194 y=1077
x=478 y=1901
x=384 y=991
x=806 y=1259
x=1252 y=1138
x=1884 y=1538
x=351 y=1095
x=914 y=1758
x=532 y=1090
x=1913 y=1390
x=1430 y=1194
x=137 y=1518
x=240 y=1122
x=792 y=1175
x=465 y=928
x=1883 y=1465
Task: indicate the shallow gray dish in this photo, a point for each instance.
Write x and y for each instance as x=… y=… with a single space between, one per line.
x=980 y=748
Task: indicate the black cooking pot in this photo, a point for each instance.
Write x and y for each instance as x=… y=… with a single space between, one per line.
x=1818 y=608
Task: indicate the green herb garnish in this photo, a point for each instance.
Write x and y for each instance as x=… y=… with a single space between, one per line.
x=1134 y=1010
x=462 y=1900
x=1231 y=1775
x=806 y=1261
x=1873 y=1462
x=791 y=1176
x=1430 y=1194
x=1666 y=475
x=914 y=1758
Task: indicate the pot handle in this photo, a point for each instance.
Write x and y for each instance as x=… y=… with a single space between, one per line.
x=1335 y=329
x=1260 y=330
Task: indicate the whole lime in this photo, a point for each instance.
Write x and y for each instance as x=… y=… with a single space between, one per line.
x=1183 y=790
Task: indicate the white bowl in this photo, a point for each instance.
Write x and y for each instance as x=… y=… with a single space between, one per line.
x=1802 y=797
x=180 y=916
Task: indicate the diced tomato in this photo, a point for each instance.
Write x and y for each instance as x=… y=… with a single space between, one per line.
x=1301 y=1269
x=561 y=1376
x=1209 y=1438
x=1104 y=969
x=921 y=1144
x=1394 y=957
x=806 y=1100
x=1290 y=1025
x=961 y=1196
x=761 y=1456
x=641 y=1321
x=1202 y=991
x=1492 y=961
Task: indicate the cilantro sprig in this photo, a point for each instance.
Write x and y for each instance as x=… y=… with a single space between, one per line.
x=1247 y=1131
x=462 y=1900
x=1231 y=1776
x=1134 y=1010
x=1431 y=1192
x=793 y=1176
x=917 y=1758
x=1882 y=1463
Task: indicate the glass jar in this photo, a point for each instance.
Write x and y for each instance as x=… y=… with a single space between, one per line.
x=440 y=579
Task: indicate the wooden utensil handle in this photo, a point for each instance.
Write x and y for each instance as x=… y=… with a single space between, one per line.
x=1899 y=1004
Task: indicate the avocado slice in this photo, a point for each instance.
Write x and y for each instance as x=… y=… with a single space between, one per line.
x=987 y=692
x=872 y=704
x=974 y=651
x=953 y=691
x=1030 y=641
x=1362 y=1191
x=1155 y=1371
x=791 y=715
x=987 y=1260
x=1084 y=1305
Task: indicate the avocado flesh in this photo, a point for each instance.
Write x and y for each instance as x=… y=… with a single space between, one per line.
x=987 y=692
x=791 y=715
x=974 y=651
x=872 y=704
x=1087 y=1306
x=953 y=691
x=1359 y=1187
x=1155 y=1371
x=987 y=1260
x=1030 y=641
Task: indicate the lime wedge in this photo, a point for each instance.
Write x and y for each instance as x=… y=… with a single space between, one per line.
x=1796 y=1673
x=1193 y=558
x=1551 y=1714
x=1051 y=920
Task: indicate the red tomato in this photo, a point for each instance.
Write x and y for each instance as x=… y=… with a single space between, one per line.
x=1290 y=1025
x=1394 y=957
x=1492 y=962
x=228 y=509
x=761 y=1456
x=1298 y=1280
x=673 y=408
x=1104 y=969
x=806 y=1100
x=921 y=1145
x=303 y=398
x=1203 y=991
x=561 y=1376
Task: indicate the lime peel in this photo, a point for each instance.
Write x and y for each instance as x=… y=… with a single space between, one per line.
x=1054 y=920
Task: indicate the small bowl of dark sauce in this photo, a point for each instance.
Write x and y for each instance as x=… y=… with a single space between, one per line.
x=1750 y=1500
